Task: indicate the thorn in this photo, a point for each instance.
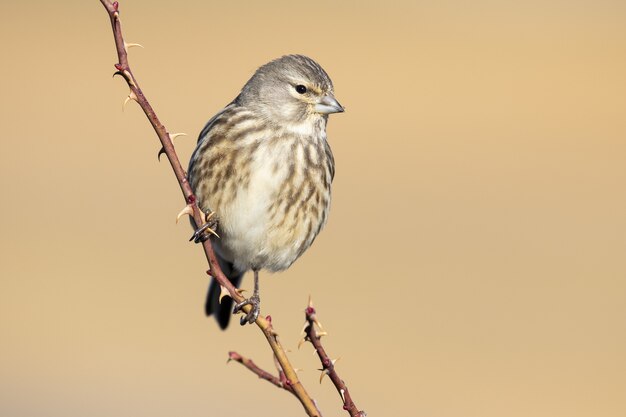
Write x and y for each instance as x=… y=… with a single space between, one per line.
x=303 y=331
x=188 y=210
x=131 y=45
x=315 y=351
x=172 y=137
x=310 y=303
x=175 y=135
x=118 y=73
x=316 y=321
x=129 y=78
x=301 y=342
x=297 y=369
x=223 y=293
x=320 y=334
x=334 y=360
x=343 y=397
x=130 y=97
x=324 y=373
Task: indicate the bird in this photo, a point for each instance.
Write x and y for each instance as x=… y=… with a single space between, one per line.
x=262 y=169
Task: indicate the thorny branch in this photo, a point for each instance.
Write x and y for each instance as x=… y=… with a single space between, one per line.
x=124 y=70
x=313 y=333
x=248 y=363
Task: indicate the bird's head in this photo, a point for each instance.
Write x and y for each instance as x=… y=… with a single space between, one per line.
x=291 y=90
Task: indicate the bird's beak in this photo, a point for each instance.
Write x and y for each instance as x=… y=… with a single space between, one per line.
x=328 y=104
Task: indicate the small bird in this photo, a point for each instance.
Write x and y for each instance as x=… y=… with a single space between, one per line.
x=263 y=166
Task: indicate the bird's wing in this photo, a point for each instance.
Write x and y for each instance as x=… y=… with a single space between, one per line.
x=205 y=130
x=204 y=133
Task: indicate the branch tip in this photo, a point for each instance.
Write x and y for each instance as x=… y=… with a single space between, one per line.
x=234 y=355
x=313 y=334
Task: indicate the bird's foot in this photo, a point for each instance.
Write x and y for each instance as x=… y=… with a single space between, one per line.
x=206 y=230
x=251 y=317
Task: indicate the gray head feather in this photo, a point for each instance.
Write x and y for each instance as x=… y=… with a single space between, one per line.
x=271 y=92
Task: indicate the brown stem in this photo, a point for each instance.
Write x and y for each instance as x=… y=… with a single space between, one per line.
x=328 y=365
x=123 y=69
x=248 y=363
x=279 y=381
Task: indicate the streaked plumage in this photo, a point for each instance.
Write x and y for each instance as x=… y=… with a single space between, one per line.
x=264 y=166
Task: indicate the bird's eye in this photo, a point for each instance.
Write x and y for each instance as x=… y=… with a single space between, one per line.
x=300 y=89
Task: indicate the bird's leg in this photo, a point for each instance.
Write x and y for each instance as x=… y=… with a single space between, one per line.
x=254 y=302
x=209 y=225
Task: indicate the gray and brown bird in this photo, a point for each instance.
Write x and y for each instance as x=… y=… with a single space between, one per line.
x=264 y=167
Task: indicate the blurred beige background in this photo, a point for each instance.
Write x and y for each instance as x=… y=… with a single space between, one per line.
x=474 y=263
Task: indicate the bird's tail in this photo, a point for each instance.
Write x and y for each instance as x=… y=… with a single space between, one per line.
x=222 y=311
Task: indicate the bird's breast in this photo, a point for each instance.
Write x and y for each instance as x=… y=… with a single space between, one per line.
x=274 y=202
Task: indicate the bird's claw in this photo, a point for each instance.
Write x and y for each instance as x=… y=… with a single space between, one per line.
x=251 y=317
x=203 y=232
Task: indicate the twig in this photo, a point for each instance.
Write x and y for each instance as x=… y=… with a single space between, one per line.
x=279 y=381
x=328 y=365
x=123 y=70
x=248 y=363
